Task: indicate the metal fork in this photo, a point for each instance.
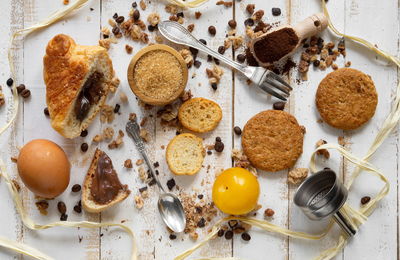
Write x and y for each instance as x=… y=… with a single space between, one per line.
x=266 y=80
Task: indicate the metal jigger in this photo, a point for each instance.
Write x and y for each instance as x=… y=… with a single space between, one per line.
x=322 y=195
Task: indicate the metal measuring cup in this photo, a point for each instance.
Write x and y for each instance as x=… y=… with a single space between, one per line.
x=322 y=195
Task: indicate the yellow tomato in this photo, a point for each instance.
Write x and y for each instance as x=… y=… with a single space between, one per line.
x=236 y=191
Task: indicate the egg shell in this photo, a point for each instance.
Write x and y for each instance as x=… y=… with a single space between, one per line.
x=44 y=168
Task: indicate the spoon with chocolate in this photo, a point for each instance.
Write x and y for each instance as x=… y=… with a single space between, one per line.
x=169 y=205
x=282 y=41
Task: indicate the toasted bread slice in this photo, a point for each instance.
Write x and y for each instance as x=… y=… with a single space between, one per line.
x=88 y=201
x=200 y=115
x=185 y=154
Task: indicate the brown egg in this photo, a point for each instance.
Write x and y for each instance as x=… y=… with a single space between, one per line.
x=44 y=168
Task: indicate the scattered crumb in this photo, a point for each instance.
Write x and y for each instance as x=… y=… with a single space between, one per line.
x=139 y=202
x=16 y=185
x=128 y=49
x=297 y=175
x=42 y=206
x=269 y=213
x=144 y=134
x=322 y=152
x=123 y=97
x=128 y=164
x=142 y=5
x=107 y=114
x=197 y=15
x=153 y=19
x=139 y=162
x=132 y=116
x=187 y=56
x=66 y=2
x=118 y=141
x=242 y=161
x=224 y=3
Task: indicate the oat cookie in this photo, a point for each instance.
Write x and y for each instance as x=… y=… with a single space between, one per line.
x=272 y=140
x=346 y=98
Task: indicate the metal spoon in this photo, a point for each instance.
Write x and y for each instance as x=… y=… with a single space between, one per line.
x=169 y=205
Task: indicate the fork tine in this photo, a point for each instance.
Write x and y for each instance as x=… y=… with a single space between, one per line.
x=267 y=89
x=278 y=78
x=277 y=85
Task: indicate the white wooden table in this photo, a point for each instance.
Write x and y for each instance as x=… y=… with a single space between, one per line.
x=377 y=21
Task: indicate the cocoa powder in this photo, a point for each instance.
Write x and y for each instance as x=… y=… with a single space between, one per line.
x=273 y=46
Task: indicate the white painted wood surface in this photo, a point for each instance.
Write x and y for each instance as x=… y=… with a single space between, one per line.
x=377 y=21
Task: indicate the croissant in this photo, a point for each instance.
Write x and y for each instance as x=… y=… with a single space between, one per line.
x=77 y=81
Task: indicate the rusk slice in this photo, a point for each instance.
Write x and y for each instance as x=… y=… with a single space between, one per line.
x=200 y=115
x=88 y=202
x=185 y=154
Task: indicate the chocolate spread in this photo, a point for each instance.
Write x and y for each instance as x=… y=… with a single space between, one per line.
x=273 y=46
x=105 y=183
x=89 y=95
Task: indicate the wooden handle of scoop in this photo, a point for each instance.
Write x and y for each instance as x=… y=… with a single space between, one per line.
x=311 y=26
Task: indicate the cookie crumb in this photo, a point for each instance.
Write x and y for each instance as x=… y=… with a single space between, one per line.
x=297 y=175
x=323 y=152
x=128 y=164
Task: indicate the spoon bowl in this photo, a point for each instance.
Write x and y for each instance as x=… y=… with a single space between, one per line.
x=172 y=212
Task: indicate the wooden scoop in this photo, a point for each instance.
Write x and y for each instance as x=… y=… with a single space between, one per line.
x=303 y=30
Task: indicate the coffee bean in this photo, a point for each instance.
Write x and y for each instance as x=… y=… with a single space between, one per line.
x=151 y=28
x=9 y=82
x=172 y=236
x=61 y=207
x=200 y=196
x=194 y=51
x=279 y=105
x=63 y=217
x=116 y=108
x=136 y=15
x=365 y=200
x=156 y=164
x=84 y=147
x=220 y=232
x=246 y=236
x=209 y=58
x=218 y=139
x=216 y=61
x=306 y=45
x=76 y=188
x=317 y=23
x=116 y=30
x=20 y=88
x=26 y=93
x=115 y=16
x=171 y=184
x=221 y=49
x=276 y=11
x=232 y=24
x=143 y=189
x=120 y=19
x=237 y=130
x=249 y=22
x=219 y=146
x=212 y=30
x=198 y=210
x=209 y=152
x=229 y=234
x=78 y=209
x=46 y=111
x=180 y=14
x=316 y=63
x=134 y=5
x=84 y=133
x=197 y=64
x=214 y=86
x=241 y=58
x=203 y=41
x=152 y=182
x=201 y=223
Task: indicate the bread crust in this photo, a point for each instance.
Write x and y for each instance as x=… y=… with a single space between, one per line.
x=88 y=203
x=66 y=68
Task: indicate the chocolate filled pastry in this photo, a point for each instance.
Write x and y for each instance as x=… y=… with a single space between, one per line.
x=102 y=187
x=77 y=81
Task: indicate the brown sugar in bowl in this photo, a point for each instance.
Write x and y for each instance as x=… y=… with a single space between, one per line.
x=157 y=74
